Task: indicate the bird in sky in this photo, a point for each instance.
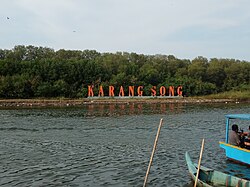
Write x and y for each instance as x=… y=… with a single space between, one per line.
x=8 y=18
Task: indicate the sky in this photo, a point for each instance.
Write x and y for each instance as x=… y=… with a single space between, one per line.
x=183 y=28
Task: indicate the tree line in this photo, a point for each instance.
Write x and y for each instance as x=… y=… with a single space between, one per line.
x=34 y=72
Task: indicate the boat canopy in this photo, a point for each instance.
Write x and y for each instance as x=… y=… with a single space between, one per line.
x=238 y=116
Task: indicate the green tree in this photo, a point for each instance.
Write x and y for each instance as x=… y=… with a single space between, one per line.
x=216 y=74
x=197 y=69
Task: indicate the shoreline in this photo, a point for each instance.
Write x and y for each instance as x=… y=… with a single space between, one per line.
x=94 y=101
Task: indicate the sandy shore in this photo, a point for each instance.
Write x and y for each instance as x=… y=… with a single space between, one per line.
x=88 y=101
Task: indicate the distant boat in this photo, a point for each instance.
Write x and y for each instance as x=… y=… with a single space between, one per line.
x=233 y=152
x=210 y=178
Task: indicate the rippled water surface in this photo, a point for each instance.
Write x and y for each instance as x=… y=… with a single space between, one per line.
x=110 y=145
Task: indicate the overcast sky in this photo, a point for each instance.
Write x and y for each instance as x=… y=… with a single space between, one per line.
x=183 y=28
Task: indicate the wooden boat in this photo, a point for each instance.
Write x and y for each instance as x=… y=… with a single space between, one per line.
x=235 y=152
x=210 y=178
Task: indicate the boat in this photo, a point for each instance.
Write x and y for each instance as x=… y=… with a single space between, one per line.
x=211 y=178
x=235 y=153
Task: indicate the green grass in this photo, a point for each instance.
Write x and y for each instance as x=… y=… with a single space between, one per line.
x=240 y=95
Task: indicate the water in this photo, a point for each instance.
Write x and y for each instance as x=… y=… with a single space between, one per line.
x=110 y=145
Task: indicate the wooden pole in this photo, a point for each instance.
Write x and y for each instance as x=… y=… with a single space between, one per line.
x=152 y=154
x=199 y=163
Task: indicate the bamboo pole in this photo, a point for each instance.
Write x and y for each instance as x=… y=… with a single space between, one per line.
x=199 y=163
x=152 y=154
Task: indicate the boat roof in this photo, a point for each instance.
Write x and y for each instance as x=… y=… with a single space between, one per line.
x=238 y=116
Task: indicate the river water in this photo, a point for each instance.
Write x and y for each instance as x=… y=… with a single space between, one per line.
x=110 y=145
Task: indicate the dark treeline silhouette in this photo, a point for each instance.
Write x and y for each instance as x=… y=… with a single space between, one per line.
x=29 y=72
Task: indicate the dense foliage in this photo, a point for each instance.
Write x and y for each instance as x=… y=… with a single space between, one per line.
x=29 y=71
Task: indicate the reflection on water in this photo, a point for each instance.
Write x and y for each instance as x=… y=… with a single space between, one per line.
x=237 y=169
x=133 y=109
x=110 y=145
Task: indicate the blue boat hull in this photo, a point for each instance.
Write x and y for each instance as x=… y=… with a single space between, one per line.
x=236 y=153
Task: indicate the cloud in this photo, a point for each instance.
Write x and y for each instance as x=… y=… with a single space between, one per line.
x=141 y=26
